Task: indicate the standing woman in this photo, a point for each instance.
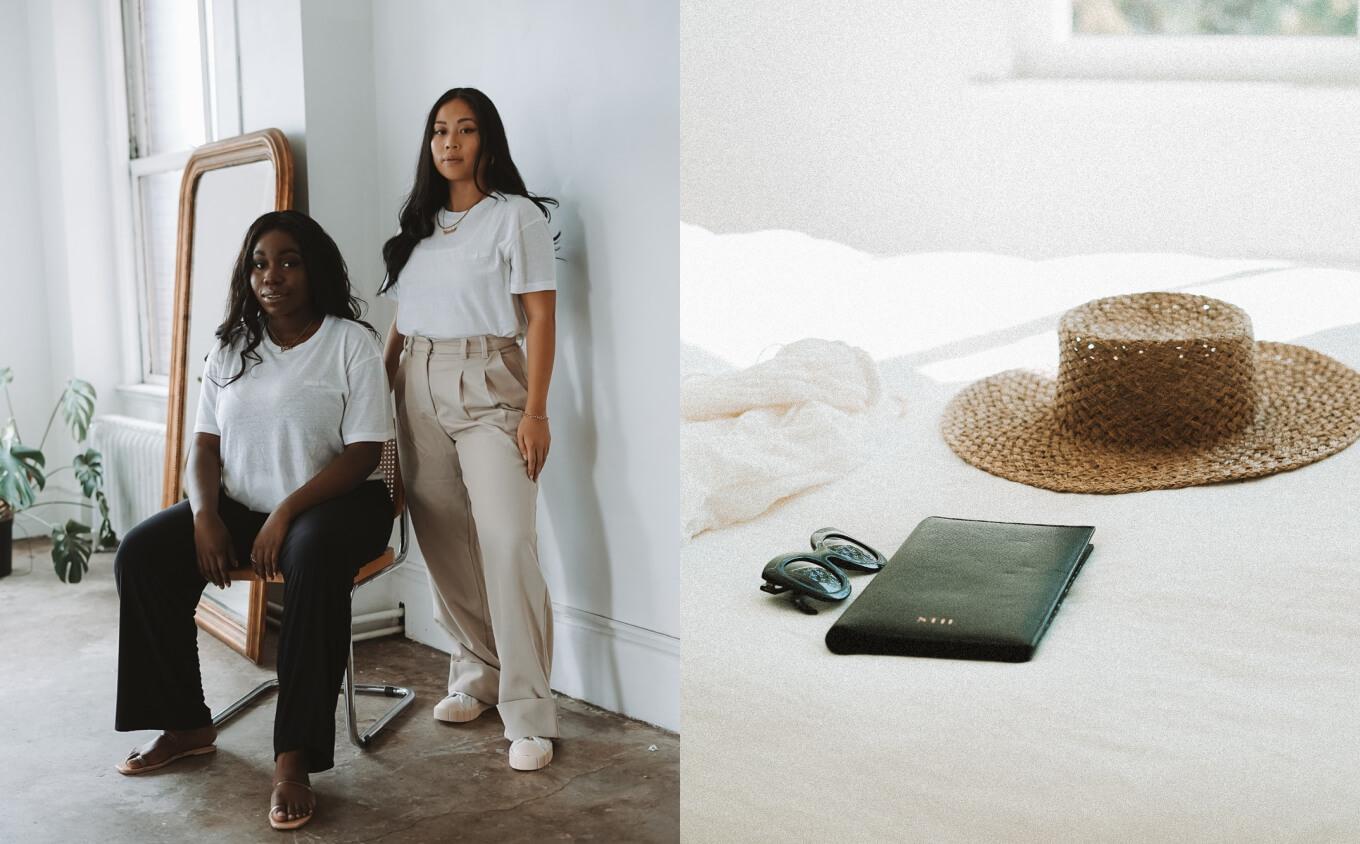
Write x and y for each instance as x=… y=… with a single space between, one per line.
x=472 y=271
x=291 y=421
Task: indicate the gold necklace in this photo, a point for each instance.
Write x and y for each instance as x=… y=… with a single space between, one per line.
x=450 y=229
x=283 y=347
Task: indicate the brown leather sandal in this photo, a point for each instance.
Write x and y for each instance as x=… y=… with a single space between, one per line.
x=295 y=822
x=127 y=770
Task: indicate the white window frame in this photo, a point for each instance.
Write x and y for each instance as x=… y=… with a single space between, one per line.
x=1047 y=49
x=222 y=107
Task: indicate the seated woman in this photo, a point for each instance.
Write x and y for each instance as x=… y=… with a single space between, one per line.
x=293 y=414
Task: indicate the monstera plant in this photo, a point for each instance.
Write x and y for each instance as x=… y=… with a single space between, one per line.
x=23 y=475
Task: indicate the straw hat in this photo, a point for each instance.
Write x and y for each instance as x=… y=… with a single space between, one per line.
x=1157 y=391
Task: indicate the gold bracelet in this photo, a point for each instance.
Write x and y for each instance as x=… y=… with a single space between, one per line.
x=535 y=416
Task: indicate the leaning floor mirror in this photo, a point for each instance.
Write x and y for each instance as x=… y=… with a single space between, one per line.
x=226 y=185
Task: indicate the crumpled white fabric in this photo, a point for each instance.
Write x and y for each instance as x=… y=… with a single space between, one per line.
x=753 y=437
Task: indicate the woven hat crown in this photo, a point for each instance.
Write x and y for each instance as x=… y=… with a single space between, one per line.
x=1156 y=370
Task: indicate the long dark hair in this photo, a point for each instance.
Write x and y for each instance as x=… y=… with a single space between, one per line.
x=327 y=282
x=430 y=190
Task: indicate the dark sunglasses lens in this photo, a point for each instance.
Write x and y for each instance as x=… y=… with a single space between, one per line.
x=813 y=576
x=850 y=552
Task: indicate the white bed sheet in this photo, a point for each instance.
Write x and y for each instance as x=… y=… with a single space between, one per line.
x=1202 y=682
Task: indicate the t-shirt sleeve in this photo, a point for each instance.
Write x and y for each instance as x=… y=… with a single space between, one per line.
x=367 y=416
x=533 y=263
x=206 y=423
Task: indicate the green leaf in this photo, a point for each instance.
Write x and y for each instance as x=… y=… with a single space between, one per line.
x=77 y=406
x=89 y=467
x=6 y=375
x=21 y=473
x=107 y=538
x=71 y=549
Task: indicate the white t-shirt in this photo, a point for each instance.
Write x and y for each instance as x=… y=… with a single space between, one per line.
x=463 y=284
x=295 y=411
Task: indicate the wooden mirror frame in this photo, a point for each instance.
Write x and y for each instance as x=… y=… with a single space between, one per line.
x=267 y=145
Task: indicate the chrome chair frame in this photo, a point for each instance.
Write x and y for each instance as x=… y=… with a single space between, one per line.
x=348 y=687
x=351 y=688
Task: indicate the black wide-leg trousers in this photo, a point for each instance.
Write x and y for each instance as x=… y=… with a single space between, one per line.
x=156 y=569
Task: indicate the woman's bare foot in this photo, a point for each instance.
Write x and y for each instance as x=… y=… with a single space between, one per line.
x=167 y=747
x=292 y=802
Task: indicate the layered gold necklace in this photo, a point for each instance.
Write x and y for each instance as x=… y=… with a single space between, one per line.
x=452 y=227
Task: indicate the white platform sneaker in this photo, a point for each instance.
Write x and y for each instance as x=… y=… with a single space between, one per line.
x=458 y=708
x=530 y=754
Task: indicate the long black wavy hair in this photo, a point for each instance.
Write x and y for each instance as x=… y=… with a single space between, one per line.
x=327 y=283
x=431 y=190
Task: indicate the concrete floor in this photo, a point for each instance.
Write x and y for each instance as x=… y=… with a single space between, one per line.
x=611 y=779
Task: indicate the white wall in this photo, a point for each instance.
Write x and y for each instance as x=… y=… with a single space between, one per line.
x=67 y=62
x=338 y=84
x=24 y=340
x=271 y=73
x=894 y=127
x=59 y=231
x=588 y=93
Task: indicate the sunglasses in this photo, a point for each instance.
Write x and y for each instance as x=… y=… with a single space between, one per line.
x=819 y=573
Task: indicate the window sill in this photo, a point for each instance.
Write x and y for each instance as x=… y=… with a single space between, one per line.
x=144 y=401
x=1309 y=62
x=1115 y=93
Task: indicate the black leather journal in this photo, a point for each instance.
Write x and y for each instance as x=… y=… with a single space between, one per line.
x=964 y=589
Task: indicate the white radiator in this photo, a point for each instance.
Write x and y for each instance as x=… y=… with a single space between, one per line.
x=134 y=466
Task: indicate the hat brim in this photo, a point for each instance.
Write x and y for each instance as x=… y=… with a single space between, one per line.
x=1309 y=408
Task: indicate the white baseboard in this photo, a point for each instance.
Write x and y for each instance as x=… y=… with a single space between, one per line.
x=609 y=663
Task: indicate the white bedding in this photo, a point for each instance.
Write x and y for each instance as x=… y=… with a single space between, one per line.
x=1201 y=682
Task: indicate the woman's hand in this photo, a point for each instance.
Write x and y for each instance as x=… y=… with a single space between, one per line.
x=264 y=555
x=342 y=475
x=533 y=439
x=212 y=543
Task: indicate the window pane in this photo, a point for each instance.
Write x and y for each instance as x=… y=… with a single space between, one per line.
x=160 y=222
x=1213 y=17
x=174 y=75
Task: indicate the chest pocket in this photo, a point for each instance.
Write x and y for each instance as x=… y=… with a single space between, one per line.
x=321 y=400
x=469 y=256
x=471 y=265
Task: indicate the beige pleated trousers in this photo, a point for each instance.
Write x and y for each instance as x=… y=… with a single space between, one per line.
x=459 y=403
